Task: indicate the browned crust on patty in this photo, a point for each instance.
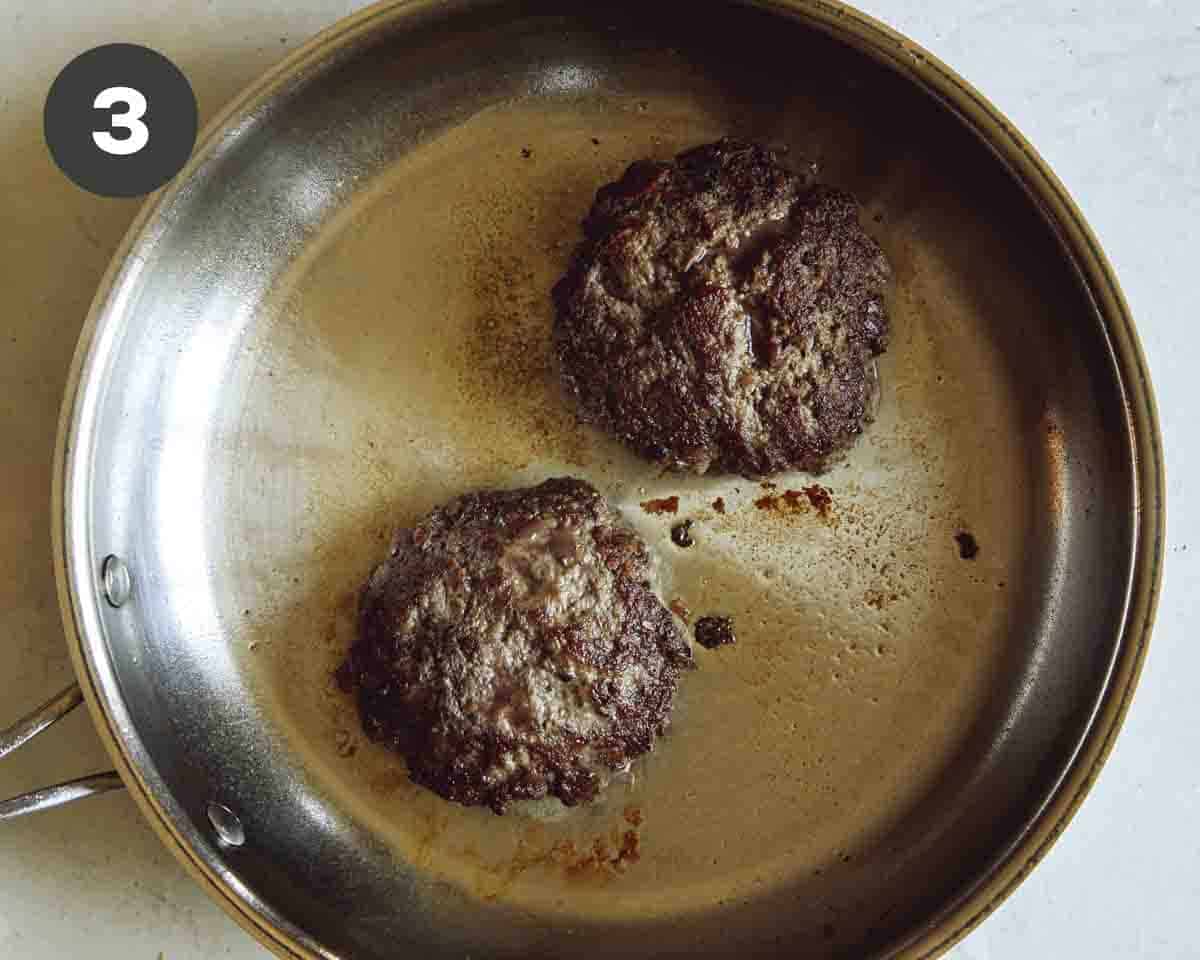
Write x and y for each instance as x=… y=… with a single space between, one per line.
x=511 y=647
x=724 y=313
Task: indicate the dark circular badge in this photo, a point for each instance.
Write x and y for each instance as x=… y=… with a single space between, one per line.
x=120 y=120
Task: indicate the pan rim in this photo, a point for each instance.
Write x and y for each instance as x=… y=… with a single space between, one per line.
x=75 y=562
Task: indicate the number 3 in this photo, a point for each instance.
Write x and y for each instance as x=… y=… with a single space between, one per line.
x=139 y=133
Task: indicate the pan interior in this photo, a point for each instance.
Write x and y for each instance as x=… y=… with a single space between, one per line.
x=342 y=320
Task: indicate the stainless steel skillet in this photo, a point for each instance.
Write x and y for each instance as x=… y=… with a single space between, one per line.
x=336 y=317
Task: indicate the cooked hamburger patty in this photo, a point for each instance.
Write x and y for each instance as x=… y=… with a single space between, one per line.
x=723 y=313
x=511 y=647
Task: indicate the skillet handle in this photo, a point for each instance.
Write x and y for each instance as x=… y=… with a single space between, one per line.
x=25 y=730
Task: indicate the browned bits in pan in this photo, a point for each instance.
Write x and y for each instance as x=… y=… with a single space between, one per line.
x=661 y=505
x=820 y=497
x=680 y=609
x=713 y=632
x=968 y=546
x=811 y=498
x=681 y=534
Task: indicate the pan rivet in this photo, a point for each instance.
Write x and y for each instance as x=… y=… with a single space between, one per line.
x=226 y=823
x=115 y=577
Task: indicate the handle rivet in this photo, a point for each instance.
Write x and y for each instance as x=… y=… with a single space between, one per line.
x=227 y=825
x=114 y=576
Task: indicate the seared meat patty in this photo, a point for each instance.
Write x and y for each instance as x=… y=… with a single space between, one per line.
x=511 y=647
x=723 y=313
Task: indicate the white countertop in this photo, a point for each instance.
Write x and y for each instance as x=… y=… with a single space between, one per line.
x=1107 y=90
